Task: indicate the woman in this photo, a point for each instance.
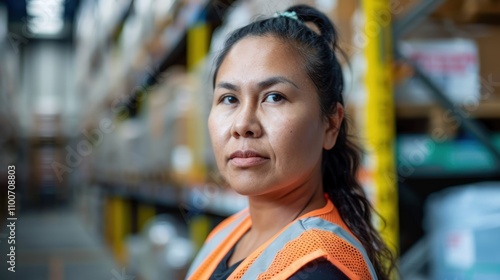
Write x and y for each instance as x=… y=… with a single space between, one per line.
x=279 y=137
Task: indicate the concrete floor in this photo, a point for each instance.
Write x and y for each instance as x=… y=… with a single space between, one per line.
x=55 y=245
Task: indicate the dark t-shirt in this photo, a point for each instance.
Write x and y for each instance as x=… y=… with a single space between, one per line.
x=319 y=269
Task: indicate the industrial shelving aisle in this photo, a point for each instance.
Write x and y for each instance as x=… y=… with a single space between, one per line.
x=445 y=141
x=134 y=85
x=137 y=88
x=55 y=244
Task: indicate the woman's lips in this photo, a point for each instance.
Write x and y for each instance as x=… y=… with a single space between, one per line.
x=245 y=159
x=248 y=162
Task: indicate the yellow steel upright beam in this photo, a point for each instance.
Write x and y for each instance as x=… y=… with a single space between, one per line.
x=198 y=42
x=145 y=212
x=117 y=226
x=380 y=116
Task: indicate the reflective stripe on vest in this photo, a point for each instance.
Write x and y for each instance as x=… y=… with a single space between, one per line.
x=265 y=259
x=215 y=240
x=264 y=262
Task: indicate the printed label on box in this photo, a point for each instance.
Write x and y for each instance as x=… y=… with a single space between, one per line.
x=452 y=64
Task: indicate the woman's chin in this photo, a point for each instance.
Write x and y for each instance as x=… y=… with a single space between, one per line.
x=246 y=190
x=249 y=189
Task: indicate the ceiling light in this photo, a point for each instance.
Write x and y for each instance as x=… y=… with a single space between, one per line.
x=45 y=17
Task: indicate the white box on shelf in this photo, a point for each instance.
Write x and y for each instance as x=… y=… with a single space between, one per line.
x=453 y=64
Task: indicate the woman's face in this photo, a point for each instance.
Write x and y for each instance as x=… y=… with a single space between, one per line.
x=265 y=123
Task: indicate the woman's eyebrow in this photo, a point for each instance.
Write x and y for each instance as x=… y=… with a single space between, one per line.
x=275 y=80
x=261 y=85
x=226 y=85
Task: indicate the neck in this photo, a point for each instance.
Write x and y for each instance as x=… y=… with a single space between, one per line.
x=270 y=214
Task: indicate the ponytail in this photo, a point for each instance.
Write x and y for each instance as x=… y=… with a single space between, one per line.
x=339 y=182
x=340 y=164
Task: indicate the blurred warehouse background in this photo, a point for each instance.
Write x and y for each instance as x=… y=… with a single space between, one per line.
x=103 y=108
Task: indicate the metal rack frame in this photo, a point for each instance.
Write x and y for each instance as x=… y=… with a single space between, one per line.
x=413 y=262
x=401 y=27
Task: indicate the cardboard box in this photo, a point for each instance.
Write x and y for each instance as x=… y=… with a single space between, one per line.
x=487 y=40
x=485 y=11
x=451 y=63
x=451 y=9
x=469 y=11
x=487 y=44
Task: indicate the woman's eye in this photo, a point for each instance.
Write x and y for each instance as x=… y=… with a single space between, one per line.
x=229 y=99
x=274 y=97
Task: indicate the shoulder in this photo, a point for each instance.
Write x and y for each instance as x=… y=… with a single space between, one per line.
x=335 y=244
x=321 y=229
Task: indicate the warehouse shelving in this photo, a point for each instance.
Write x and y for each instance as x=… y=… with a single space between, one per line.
x=136 y=193
x=424 y=180
x=476 y=129
x=161 y=191
x=201 y=199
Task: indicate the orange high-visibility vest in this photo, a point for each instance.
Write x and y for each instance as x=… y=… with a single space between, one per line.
x=318 y=234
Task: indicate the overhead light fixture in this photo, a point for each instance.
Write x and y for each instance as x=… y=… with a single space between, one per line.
x=45 y=17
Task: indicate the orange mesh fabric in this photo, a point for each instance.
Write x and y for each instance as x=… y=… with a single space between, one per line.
x=338 y=251
x=310 y=245
x=206 y=268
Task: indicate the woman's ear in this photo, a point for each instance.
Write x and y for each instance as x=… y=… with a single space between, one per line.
x=332 y=127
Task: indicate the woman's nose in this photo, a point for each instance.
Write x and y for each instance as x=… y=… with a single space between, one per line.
x=246 y=123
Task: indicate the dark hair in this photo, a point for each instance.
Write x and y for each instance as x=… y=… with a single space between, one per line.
x=340 y=163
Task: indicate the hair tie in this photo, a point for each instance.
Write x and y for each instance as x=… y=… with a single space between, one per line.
x=292 y=15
